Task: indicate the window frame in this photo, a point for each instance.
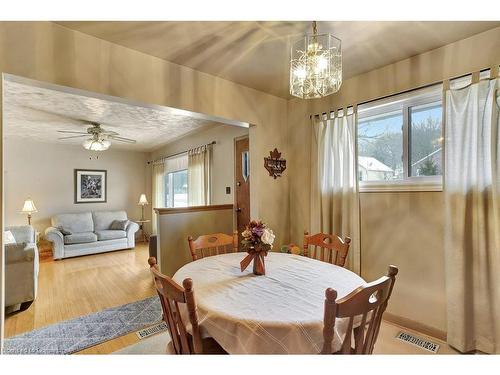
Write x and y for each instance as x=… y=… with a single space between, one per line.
x=170 y=176
x=404 y=103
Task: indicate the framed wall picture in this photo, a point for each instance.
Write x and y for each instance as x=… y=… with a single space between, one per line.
x=90 y=186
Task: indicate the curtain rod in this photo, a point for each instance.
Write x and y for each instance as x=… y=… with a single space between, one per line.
x=405 y=91
x=179 y=153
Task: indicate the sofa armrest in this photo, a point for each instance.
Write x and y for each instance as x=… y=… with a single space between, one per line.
x=20 y=252
x=132 y=227
x=55 y=236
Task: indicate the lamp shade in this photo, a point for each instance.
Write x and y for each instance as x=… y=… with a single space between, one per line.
x=143 y=200
x=29 y=207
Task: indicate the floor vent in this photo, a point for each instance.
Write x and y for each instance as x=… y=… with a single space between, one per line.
x=150 y=331
x=417 y=341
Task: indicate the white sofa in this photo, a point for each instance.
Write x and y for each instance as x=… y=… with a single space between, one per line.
x=89 y=233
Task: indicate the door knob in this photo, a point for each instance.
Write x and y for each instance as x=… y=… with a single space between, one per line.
x=238 y=209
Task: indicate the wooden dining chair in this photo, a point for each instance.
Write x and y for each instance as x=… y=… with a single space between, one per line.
x=171 y=297
x=327 y=247
x=213 y=244
x=367 y=303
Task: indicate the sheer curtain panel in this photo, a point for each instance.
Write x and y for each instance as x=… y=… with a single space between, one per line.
x=472 y=229
x=334 y=187
x=199 y=174
x=158 y=187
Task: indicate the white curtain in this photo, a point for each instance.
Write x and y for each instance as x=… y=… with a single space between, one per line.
x=472 y=231
x=176 y=163
x=158 y=173
x=199 y=175
x=334 y=187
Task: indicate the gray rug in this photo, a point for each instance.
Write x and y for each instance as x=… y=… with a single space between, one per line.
x=77 y=334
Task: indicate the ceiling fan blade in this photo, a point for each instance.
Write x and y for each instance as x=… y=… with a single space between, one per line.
x=72 y=132
x=122 y=139
x=74 y=136
x=109 y=132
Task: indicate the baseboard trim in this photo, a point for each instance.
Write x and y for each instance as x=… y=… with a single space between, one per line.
x=416 y=326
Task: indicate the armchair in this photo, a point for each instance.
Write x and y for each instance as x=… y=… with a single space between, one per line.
x=21 y=267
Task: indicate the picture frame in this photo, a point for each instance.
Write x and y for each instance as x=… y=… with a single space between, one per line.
x=90 y=186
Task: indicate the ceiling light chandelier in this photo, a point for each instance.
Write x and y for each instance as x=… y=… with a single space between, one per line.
x=315 y=65
x=96 y=143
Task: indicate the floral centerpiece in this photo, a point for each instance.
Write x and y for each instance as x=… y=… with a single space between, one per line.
x=257 y=241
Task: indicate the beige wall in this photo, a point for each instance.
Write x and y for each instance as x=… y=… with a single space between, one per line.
x=174 y=229
x=222 y=156
x=51 y=53
x=45 y=172
x=405 y=229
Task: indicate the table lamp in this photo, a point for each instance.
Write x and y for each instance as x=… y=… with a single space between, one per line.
x=29 y=208
x=142 y=202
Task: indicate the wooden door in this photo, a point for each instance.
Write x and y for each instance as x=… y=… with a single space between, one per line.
x=242 y=184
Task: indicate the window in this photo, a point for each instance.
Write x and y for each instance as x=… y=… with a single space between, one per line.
x=176 y=189
x=425 y=140
x=176 y=181
x=400 y=142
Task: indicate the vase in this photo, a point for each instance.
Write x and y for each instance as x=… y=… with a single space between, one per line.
x=259 y=268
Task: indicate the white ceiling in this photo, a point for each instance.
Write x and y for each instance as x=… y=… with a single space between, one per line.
x=256 y=54
x=35 y=112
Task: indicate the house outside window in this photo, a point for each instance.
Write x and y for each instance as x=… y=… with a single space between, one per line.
x=399 y=142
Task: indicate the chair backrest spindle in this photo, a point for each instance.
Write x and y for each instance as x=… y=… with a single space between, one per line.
x=213 y=244
x=333 y=249
x=364 y=308
x=171 y=297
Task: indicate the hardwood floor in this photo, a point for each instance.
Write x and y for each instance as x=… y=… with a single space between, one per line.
x=73 y=287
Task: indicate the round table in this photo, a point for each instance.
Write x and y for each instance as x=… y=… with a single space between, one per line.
x=280 y=312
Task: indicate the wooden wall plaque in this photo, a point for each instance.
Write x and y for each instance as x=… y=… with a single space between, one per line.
x=275 y=164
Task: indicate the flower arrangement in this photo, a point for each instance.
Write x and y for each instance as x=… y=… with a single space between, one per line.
x=257 y=234
x=257 y=240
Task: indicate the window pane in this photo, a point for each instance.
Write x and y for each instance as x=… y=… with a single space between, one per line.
x=168 y=193
x=425 y=140
x=180 y=188
x=380 y=147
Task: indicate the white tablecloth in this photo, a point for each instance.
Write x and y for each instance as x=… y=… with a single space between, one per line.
x=281 y=312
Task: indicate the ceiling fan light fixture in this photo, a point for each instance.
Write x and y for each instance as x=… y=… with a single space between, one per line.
x=315 y=66
x=93 y=144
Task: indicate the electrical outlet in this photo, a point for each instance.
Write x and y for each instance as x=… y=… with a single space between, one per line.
x=228 y=190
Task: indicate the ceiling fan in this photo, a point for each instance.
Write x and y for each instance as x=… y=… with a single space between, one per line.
x=98 y=139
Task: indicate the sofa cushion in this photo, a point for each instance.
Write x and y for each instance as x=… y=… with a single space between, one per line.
x=103 y=219
x=74 y=223
x=64 y=230
x=80 y=238
x=119 y=224
x=103 y=235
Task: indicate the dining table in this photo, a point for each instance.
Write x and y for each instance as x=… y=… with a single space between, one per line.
x=280 y=312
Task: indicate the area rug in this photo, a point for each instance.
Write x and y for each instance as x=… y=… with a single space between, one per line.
x=77 y=334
